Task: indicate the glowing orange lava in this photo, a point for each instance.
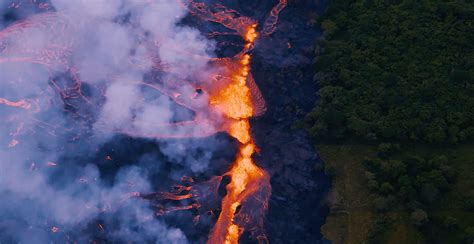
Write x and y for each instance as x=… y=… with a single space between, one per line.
x=236 y=104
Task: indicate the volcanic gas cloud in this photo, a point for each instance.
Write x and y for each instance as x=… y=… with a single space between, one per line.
x=77 y=73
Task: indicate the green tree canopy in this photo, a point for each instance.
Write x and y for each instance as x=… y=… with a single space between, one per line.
x=396 y=70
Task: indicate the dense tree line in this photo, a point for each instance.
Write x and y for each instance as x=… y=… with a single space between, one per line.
x=415 y=185
x=395 y=70
x=416 y=181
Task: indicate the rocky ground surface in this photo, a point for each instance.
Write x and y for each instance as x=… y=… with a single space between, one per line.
x=283 y=70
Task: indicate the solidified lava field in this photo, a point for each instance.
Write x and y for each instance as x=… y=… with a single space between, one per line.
x=167 y=121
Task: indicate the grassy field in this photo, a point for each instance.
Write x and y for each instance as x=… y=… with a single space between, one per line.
x=352 y=216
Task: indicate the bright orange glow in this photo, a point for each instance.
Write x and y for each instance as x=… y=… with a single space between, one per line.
x=240 y=131
x=235 y=102
x=251 y=34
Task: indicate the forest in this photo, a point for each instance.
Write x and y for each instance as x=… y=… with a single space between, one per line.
x=397 y=77
x=395 y=70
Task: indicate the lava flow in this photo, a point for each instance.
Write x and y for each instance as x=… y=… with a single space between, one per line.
x=233 y=95
x=249 y=184
x=246 y=177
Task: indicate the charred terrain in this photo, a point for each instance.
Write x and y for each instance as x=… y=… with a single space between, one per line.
x=158 y=121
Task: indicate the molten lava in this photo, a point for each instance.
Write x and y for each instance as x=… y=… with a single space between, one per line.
x=237 y=106
x=234 y=96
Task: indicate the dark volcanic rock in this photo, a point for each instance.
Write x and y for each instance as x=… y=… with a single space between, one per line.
x=282 y=67
x=295 y=212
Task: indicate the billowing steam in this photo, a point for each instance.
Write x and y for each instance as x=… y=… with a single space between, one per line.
x=108 y=48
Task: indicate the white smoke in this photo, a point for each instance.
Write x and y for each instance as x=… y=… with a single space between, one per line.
x=102 y=38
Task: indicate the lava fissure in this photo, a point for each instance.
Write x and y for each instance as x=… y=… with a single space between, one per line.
x=223 y=104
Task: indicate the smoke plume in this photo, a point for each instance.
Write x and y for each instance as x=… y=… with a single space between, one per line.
x=50 y=189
